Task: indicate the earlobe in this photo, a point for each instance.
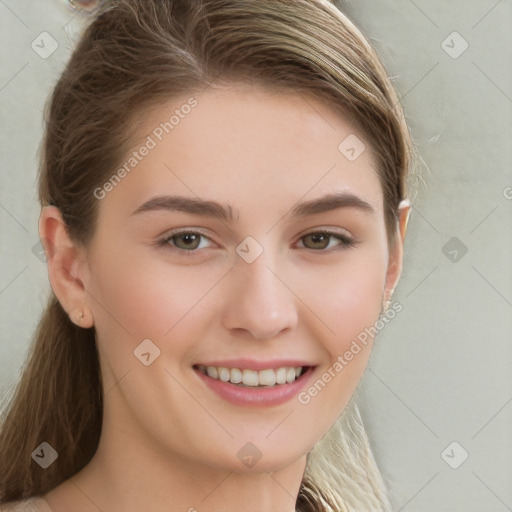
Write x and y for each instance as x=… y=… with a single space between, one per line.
x=65 y=261
x=82 y=319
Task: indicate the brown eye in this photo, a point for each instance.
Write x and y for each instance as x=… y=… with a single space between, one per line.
x=186 y=241
x=317 y=240
x=325 y=240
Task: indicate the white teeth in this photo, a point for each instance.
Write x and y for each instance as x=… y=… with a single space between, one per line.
x=212 y=372
x=267 y=377
x=281 y=376
x=253 y=378
x=236 y=376
x=224 y=374
x=250 y=377
x=290 y=375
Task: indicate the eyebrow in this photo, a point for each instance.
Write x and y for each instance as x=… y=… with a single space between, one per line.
x=197 y=206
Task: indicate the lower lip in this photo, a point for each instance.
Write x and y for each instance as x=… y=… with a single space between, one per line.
x=257 y=397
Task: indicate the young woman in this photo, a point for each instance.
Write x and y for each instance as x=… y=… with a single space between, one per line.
x=224 y=198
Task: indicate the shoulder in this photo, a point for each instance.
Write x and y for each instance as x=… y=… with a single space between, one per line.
x=35 y=504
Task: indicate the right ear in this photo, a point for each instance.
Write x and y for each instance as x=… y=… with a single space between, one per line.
x=65 y=260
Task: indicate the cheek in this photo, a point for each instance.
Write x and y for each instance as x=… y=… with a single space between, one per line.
x=348 y=302
x=128 y=299
x=139 y=297
x=347 y=297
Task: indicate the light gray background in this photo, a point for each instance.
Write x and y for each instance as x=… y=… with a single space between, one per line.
x=441 y=371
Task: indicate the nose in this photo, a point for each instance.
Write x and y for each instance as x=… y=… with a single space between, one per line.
x=259 y=301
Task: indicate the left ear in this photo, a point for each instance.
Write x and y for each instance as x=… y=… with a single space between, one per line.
x=396 y=250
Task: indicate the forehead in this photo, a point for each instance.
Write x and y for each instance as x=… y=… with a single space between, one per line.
x=241 y=143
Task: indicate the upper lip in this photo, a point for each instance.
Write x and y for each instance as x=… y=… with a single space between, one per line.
x=252 y=364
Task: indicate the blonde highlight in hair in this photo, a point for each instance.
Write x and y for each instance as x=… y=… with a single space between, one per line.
x=137 y=54
x=341 y=473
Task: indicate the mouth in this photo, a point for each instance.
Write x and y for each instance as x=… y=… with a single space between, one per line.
x=258 y=385
x=244 y=377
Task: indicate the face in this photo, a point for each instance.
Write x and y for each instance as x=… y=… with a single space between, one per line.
x=243 y=245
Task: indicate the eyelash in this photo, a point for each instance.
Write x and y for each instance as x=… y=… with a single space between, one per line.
x=345 y=241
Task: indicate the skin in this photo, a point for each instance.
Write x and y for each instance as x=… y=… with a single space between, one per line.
x=166 y=437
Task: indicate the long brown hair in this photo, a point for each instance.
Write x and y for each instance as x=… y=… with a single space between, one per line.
x=134 y=55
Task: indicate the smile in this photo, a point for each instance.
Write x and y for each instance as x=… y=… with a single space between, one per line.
x=249 y=383
x=252 y=378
